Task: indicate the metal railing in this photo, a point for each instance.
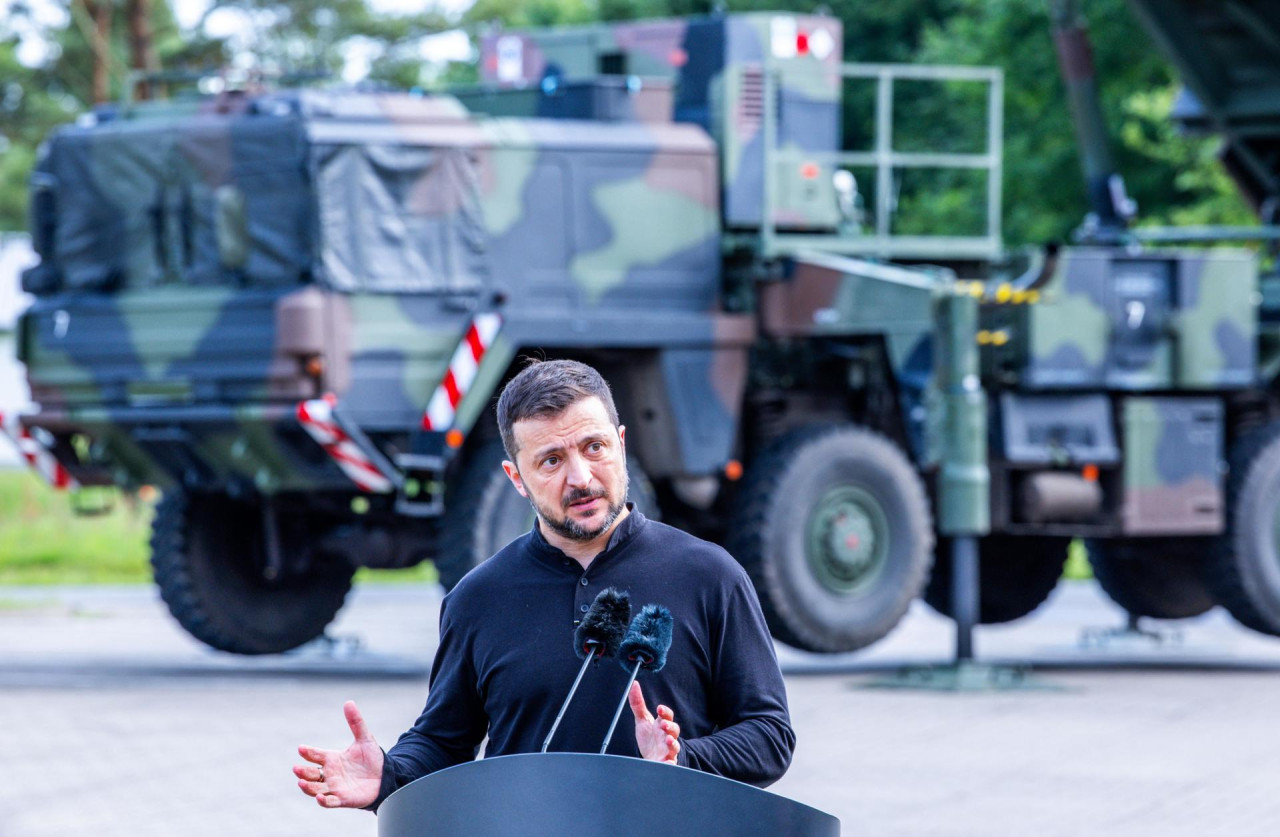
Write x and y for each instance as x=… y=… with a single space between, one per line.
x=882 y=242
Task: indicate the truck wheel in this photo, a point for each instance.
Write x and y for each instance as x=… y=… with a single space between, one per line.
x=1015 y=576
x=1162 y=578
x=207 y=556
x=1243 y=565
x=834 y=527
x=484 y=513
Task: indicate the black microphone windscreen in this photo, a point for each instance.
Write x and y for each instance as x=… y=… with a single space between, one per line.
x=648 y=639
x=605 y=623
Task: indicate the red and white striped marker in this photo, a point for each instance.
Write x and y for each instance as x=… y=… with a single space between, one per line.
x=36 y=454
x=443 y=406
x=317 y=419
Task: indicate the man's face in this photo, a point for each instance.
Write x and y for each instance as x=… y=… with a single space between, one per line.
x=573 y=468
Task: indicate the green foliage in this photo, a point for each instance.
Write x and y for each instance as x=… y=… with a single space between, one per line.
x=1202 y=191
x=310 y=35
x=529 y=13
x=1170 y=176
x=1175 y=179
x=43 y=541
x=32 y=103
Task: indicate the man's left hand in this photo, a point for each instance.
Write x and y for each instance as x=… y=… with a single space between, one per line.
x=658 y=738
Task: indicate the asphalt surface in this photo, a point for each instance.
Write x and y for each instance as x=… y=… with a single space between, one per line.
x=114 y=722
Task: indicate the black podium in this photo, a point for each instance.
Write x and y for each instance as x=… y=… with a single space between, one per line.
x=556 y=794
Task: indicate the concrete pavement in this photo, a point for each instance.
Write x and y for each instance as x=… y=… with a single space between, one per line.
x=115 y=722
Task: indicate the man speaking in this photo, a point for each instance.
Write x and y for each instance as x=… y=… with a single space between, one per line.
x=506 y=655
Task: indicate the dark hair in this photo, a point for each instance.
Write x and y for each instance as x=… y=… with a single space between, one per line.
x=547 y=388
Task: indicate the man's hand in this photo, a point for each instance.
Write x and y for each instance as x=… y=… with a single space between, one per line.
x=658 y=738
x=347 y=778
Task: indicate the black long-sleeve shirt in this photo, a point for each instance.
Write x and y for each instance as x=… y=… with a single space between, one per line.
x=506 y=660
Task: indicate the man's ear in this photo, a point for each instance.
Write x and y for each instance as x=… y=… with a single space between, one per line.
x=513 y=474
x=622 y=436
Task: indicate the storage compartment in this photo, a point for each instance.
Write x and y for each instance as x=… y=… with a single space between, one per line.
x=1172 y=466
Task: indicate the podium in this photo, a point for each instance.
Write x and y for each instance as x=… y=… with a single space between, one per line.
x=556 y=794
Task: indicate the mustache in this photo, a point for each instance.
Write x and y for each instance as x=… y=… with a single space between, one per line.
x=582 y=494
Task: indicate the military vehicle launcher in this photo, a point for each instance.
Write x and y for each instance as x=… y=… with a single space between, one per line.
x=292 y=311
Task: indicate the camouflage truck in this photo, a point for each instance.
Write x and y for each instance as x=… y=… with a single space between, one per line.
x=292 y=311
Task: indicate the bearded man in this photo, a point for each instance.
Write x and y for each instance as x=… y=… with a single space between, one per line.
x=506 y=654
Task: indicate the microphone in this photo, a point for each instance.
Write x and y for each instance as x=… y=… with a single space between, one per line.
x=599 y=634
x=644 y=647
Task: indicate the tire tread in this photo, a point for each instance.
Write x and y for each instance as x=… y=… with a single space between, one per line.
x=750 y=535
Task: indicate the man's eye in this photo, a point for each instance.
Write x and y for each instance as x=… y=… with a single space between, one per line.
x=550 y=460
x=595 y=447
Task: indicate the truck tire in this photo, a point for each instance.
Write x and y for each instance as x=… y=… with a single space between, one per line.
x=1243 y=564
x=1162 y=578
x=206 y=555
x=483 y=512
x=833 y=526
x=1015 y=576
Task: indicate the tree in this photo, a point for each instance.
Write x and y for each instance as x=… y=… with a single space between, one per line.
x=32 y=102
x=1174 y=178
x=1044 y=199
x=314 y=35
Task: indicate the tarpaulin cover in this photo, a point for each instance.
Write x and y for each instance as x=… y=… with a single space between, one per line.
x=399 y=218
x=135 y=203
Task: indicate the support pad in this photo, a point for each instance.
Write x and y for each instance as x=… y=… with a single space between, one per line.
x=964 y=676
x=1132 y=636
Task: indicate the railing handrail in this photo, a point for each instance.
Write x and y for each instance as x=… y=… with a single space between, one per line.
x=885 y=159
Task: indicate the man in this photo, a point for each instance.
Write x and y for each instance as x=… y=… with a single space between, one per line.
x=506 y=657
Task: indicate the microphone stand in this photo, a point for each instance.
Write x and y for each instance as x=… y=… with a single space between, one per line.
x=595 y=649
x=625 y=694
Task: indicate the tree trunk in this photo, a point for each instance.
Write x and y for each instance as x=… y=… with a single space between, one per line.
x=142 y=51
x=100 y=12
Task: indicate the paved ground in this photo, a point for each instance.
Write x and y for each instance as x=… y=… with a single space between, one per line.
x=113 y=722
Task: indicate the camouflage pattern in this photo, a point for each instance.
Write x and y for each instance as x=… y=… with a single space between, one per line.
x=207 y=268
x=1172 y=480
x=607 y=99
x=836 y=296
x=717 y=66
x=374 y=227
x=1118 y=320
x=1111 y=319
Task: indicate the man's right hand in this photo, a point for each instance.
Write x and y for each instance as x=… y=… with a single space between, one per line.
x=347 y=778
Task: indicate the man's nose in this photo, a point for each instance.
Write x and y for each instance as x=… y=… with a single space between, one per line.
x=577 y=471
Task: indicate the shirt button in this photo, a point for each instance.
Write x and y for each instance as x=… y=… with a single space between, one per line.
x=583 y=608
x=584 y=581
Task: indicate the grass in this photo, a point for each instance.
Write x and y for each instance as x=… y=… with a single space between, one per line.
x=1077 y=567
x=44 y=541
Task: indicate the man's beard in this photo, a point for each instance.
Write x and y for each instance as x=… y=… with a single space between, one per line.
x=573 y=530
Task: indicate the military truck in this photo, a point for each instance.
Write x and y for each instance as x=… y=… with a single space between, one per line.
x=292 y=311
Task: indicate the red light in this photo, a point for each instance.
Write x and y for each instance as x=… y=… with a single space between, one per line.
x=802 y=43
x=810 y=171
x=677 y=57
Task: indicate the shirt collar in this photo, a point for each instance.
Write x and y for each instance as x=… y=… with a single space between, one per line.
x=621 y=535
